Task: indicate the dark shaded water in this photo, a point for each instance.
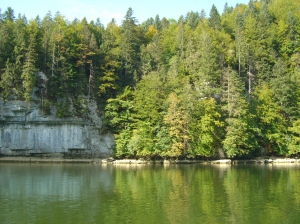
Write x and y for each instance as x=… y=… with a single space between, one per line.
x=64 y=193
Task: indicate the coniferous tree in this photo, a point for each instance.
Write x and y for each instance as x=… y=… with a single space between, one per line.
x=240 y=45
x=129 y=49
x=157 y=23
x=284 y=91
x=164 y=23
x=110 y=69
x=9 y=14
x=214 y=20
x=46 y=26
x=239 y=138
x=6 y=82
x=192 y=19
x=207 y=78
x=29 y=69
x=202 y=15
x=6 y=43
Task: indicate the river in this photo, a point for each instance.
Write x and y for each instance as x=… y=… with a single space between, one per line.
x=198 y=193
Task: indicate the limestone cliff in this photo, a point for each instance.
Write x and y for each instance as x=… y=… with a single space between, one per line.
x=29 y=131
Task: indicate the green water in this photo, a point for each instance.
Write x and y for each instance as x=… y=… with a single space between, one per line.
x=64 y=193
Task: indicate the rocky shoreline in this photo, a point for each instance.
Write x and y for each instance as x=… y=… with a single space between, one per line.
x=140 y=161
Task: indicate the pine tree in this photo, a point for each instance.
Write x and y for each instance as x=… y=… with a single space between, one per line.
x=129 y=49
x=240 y=45
x=6 y=81
x=46 y=26
x=240 y=135
x=192 y=19
x=207 y=71
x=9 y=14
x=157 y=23
x=214 y=20
x=111 y=66
x=284 y=91
x=30 y=60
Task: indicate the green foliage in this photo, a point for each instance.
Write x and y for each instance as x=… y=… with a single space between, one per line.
x=130 y=41
x=121 y=143
x=214 y=20
x=118 y=111
x=294 y=143
x=142 y=141
x=176 y=121
x=80 y=106
x=284 y=91
x=63 y=109
x=240 y=128
x=205 y=125
x=6 y=82
x=29 y=70
x=170 y=88
x=272 y=124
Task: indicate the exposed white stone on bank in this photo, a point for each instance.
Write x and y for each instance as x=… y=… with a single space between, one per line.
x=26 y=130
x=284 y=160
x=221 y=161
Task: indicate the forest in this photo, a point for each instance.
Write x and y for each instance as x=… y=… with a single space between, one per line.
x=224 y=83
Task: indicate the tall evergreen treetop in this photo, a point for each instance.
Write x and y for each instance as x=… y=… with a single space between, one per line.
x=157 y=23
x=130 y=47
x=214 y=20
x=9 y=14
x=192 y=19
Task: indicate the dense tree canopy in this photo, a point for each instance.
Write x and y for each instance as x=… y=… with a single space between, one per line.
x=227 y=84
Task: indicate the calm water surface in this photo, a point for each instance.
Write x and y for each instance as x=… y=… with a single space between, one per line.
x=64 y=193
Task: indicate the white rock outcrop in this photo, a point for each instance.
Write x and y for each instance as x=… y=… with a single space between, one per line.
x=26 y=130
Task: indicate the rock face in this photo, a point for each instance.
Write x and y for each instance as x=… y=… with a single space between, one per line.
x=27 y=131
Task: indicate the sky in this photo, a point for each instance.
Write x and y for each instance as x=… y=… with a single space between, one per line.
x=107 y=9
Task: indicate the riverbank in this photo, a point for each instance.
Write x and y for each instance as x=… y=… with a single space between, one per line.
x=134 y=161
x=46 y=160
